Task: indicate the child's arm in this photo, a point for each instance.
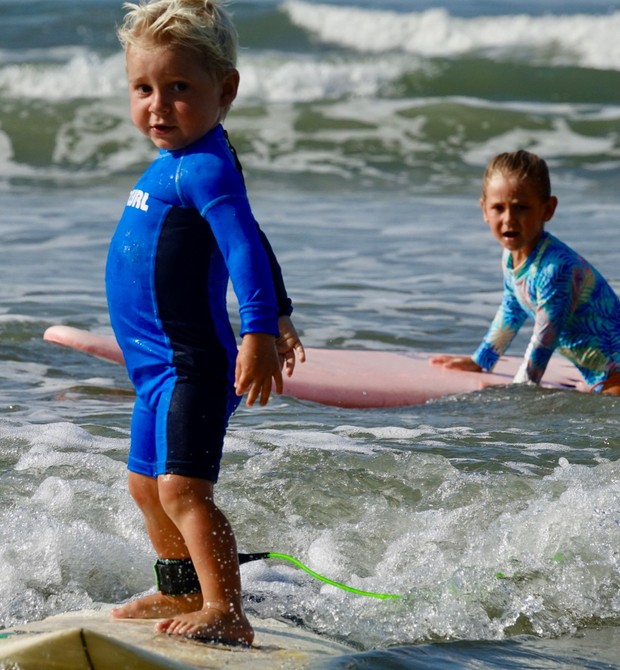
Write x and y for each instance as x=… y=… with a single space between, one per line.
x=504 y=327
x=257 y=368
x=289 y=345
x=554 y=310
x=285 y=305
x=261 y=358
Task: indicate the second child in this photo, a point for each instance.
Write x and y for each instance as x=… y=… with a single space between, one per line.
x=575 y=311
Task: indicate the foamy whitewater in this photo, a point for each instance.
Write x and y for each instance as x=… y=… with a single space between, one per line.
x=363 y=128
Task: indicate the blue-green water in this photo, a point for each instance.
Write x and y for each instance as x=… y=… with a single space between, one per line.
x=363 y=127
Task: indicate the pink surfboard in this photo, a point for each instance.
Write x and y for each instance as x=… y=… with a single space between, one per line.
x=360 y=378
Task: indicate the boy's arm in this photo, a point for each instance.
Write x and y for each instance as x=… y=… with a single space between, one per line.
x=257 y=368
x=256 y=278
x=289 y=346
x=236 y=233
x=285 y=305
x=262 y=355
x=261 y=359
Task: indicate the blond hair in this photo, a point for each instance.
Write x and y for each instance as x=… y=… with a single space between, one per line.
x=200 y=25
x=523 y=166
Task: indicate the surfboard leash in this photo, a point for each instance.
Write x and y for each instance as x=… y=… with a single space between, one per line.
x=247 y=558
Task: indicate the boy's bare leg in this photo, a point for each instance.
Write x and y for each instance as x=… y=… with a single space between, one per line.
x=174 y=508
x=168 y=543
x=211 y=543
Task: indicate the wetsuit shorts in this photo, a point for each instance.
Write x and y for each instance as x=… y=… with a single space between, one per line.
x=184 y=435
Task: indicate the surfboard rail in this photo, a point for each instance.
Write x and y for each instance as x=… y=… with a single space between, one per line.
x=356 y=379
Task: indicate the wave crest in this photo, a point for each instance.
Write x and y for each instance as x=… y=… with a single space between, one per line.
x=585 y=40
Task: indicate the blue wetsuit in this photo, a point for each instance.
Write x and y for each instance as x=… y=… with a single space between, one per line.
x=187 y=227
x=574 y=309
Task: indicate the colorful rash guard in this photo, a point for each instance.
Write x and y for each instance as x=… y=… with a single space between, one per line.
x=186 y=229
x=574 y=310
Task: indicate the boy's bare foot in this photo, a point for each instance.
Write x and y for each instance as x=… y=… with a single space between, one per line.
x=157 y=606
x=210 y=624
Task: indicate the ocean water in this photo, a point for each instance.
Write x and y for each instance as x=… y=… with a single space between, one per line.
x=363 y=127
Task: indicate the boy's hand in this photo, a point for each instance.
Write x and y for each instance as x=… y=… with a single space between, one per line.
x=289 y=345
x=257 y=365
x=455 y=362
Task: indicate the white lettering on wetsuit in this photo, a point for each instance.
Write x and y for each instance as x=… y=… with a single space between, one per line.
x=137 y=199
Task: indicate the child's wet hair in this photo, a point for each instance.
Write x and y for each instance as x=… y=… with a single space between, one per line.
x=521 y=165
x=200 y=25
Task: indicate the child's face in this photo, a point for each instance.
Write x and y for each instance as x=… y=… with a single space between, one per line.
x=516 y=214
x=174 y=101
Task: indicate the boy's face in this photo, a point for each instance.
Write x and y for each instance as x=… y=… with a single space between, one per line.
x=174 y=101
x=516 y=214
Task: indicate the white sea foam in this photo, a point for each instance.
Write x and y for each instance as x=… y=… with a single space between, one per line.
x=265 y=78
x=69 y=534
x=440 y=537
x=558 y=141
x=590 y=41
x=346 y=503
x=301 y=78
x=384 y=53
x=386 y=45
x=84 y=75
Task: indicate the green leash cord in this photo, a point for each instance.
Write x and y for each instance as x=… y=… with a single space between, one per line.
x=247 y=558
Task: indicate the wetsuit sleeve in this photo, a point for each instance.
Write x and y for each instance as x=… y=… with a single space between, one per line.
x=285 y=304
x=554 y=305
x=502 y=331
x=240 y=243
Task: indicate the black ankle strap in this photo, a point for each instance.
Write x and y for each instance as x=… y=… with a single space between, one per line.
x=176 y=576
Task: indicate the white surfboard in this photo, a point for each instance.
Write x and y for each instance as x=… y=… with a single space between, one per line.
x=92 y=640
x=358 y=379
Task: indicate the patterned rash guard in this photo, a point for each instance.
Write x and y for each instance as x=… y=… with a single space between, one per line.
x=186 y=229
x=574 y=309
